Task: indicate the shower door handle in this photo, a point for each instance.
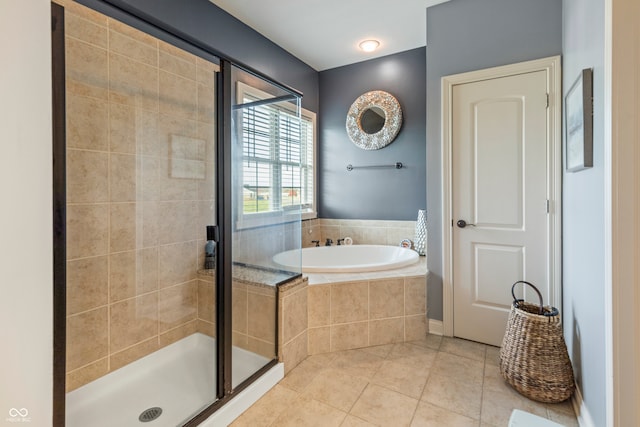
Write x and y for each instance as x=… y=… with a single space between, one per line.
x=215 y=233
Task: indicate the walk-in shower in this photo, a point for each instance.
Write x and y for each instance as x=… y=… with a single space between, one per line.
x=161 y=142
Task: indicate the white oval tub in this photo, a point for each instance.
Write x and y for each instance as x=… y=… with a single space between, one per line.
x=347 y=259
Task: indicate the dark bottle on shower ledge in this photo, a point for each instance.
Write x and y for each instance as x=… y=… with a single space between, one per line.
x=210 y=249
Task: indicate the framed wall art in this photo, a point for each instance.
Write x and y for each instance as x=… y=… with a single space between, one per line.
x=578 y=107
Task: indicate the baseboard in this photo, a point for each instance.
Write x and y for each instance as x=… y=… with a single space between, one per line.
x=582 y=413
x=436 y=327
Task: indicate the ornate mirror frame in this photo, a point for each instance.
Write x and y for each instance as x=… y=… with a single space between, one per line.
x=393 y=120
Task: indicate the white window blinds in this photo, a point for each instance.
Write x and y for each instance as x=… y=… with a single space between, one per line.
x=277 y=156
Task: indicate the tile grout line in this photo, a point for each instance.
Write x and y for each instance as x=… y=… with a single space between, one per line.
x=330 y=319
x=369 y=313
x=109 y=264
x=484 y=371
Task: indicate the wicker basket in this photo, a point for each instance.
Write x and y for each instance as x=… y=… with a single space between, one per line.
x=533 y=357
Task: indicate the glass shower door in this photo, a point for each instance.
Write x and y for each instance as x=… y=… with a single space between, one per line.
x=140 y=191
x=266 y=213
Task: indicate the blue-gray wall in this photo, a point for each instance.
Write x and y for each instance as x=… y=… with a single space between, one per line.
x=467 y=35
x=583 y=214
x=385 y=194
x=214 y=27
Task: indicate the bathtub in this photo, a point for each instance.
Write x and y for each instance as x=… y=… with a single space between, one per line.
x=347 y=259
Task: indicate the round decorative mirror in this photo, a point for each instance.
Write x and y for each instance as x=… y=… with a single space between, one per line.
x=374 y=120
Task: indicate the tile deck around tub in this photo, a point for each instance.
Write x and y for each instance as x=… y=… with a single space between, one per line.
x=417 y=269
x=431 y=382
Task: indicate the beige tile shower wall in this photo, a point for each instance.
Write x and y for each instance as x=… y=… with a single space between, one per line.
x=207 y=302
x=363 y=232
x=366 y=313
x=138 y=110
x=254 y=317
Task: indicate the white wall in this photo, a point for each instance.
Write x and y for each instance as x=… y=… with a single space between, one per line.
x=26 y=265
x=583 y=216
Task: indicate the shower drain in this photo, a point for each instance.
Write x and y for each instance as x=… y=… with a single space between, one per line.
x=150 y=414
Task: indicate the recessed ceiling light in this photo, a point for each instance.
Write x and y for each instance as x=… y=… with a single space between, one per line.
x=369 y=45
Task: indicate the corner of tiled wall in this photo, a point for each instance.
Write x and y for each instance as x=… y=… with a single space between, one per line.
x=311 y=230
x=207 y=303
x=293 y=318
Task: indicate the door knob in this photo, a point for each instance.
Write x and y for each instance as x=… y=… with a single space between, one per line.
x=462 y=223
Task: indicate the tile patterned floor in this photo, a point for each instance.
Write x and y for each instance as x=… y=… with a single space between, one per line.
x=443 y=382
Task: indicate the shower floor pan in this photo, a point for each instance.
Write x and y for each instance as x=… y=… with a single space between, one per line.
x=180 y=379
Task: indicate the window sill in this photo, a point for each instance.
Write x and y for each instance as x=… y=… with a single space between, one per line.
x=266 y=219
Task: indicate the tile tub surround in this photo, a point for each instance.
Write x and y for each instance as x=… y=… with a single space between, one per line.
x=355 y=310
x=363 y=232
x=138 y=110
x=434 y=381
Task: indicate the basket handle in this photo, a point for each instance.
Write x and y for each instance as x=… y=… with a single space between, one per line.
x=516 y=300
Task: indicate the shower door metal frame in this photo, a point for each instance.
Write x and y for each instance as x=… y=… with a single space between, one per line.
x=224 y=389
x=224 y=260
x=59 y=215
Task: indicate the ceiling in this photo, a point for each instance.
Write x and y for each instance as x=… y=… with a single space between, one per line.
x=325 y=33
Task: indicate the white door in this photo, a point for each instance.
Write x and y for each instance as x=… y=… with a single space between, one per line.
x=499 y=188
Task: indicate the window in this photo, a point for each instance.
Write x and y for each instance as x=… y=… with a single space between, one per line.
x=278 y=153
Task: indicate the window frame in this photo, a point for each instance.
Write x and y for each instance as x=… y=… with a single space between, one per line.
x=258 y=219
